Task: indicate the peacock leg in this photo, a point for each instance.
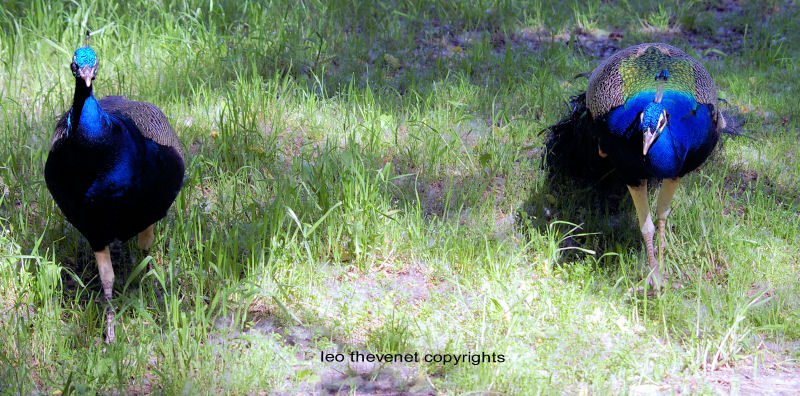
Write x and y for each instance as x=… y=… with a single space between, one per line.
x=639 y=195
x=103 y=258
x=668 y=188
x=145 y=238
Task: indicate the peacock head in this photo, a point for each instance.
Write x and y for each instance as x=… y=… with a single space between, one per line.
x=652 y=121
x=84 y=65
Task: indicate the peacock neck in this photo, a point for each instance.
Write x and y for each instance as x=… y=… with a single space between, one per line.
x=87 y=118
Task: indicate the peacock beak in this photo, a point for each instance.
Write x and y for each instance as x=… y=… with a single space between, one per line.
x=649 y=136
x=87 y=74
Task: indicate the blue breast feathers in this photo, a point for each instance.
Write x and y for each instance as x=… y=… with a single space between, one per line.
x=689 y=128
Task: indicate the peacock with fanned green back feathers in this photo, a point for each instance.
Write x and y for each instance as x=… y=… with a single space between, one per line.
x=114 y=169
x=650 y=111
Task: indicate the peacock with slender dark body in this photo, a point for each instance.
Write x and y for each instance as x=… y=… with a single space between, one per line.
x=649 y=112
x=114 y=169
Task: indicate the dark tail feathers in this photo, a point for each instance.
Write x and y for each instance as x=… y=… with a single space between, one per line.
x=571 y=149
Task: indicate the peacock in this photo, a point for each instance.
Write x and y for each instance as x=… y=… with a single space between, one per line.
x=649 y=112
x=115 y=167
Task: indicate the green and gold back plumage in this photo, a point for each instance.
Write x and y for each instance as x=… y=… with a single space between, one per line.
x=633 y=69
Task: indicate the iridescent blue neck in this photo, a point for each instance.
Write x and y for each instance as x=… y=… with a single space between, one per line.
x=86 y=118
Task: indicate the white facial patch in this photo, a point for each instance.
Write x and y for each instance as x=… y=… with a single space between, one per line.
x=662 y=120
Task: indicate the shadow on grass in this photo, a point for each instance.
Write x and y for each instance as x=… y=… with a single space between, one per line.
x=604 y=213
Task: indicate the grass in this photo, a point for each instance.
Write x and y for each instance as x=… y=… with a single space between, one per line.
x=364 y=176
